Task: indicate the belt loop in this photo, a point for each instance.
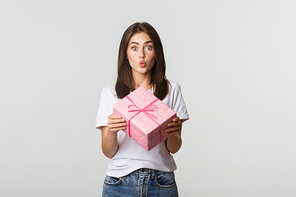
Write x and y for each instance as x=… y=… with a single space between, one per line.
x=154 y=174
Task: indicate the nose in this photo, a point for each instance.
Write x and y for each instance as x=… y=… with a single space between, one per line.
x=142 y=53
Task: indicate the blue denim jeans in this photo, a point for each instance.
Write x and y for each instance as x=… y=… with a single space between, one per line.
x=141 y=183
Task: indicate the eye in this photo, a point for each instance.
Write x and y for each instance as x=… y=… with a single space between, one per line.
x=148 y=48
x=134 y=48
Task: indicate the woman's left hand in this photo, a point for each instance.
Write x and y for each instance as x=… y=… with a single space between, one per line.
x=175 y=126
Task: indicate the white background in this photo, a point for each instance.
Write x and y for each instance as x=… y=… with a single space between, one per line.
x=235 y=62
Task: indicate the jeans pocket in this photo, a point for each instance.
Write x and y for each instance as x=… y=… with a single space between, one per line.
x=165 y=179
x=109 y=180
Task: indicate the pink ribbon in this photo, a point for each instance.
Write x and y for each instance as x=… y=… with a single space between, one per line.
x=150 y=107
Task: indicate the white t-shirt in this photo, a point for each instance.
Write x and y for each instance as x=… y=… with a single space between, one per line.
x=130 y=156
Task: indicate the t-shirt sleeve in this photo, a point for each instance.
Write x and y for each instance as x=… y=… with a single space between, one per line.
x=105 y=109
x=178 y=103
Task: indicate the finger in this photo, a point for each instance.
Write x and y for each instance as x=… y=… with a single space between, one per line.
x=117 y=127
x=115 y=121
x=113 y=116
x=173 y=124
x=176 y=119
x=173 y=132
x=173 y=129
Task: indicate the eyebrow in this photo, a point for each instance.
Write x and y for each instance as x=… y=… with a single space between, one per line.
x=138 y=43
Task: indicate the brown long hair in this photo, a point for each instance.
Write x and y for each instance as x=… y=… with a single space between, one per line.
x=124 y=83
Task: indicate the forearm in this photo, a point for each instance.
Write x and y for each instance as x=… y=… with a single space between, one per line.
x=109 y=143
x=174 y=143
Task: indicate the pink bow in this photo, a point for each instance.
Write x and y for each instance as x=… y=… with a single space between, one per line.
x=150 y=107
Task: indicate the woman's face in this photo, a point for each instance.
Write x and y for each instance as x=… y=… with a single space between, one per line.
x=140 y=53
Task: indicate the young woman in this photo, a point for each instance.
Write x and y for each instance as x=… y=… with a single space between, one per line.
x=133 y=171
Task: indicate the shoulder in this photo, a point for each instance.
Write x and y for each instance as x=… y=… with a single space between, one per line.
x=109 y=92
x=176 y=102
x=174 y=91
x=174 y=86
x=110 y=89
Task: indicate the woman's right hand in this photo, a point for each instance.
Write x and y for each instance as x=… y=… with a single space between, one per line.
x=109 y=134
x=116 y=123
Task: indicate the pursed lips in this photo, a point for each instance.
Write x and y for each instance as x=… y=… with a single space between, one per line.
x=142 y=63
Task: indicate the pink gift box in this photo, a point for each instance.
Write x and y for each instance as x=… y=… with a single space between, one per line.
x=147 y=117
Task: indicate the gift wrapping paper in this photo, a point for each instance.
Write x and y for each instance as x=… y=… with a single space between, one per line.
x=147 y=117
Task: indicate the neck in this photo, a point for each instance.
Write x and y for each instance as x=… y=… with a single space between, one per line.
x=142 y=80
